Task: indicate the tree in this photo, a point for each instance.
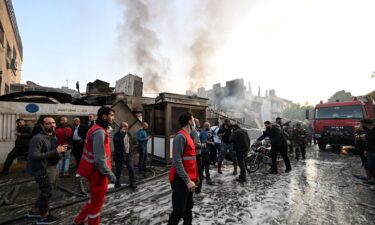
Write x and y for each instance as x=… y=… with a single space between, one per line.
x=296 y=111
x=341 y=96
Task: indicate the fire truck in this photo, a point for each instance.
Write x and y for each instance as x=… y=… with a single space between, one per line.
x=335 y=123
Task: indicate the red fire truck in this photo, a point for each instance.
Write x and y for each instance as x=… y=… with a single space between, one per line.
x=336 y=122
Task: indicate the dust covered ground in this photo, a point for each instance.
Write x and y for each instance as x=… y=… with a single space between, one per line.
x=319 y=190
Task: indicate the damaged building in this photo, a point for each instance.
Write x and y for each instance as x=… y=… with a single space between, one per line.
x=236 y=101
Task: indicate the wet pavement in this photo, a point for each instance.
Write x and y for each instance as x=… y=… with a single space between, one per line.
x=318 y=190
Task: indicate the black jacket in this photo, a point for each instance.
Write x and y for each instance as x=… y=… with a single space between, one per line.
x=23 y=139
x=370 y=140
x=118 y=141
x=275 y=135
x=82 y=131
x=240 y=140
x=42 y=153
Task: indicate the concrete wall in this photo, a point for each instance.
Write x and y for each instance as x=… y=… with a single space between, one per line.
x=9 y=49
x=10 y=111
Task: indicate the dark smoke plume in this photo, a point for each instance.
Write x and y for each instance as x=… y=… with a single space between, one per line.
x=143 y=43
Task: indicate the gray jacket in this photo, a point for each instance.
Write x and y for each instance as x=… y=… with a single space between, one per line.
x=42 y=153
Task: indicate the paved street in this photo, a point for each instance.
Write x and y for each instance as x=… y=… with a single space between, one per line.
x=319 y=190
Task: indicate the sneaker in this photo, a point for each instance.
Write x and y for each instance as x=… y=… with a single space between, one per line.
x=210 y=182
x=47 y=220
x=288 y=170
x=30 y=214
x=370 y=182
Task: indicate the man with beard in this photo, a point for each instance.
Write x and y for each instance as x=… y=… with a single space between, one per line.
x=278 y=145
x=122 y=154
x=96 y=166
x=21 y=145
x=44 y=154
x=184 y=173
x=241 y=145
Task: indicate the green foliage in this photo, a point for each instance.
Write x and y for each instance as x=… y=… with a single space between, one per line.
x=372 y=94
x=342 y=96
x=296 y=111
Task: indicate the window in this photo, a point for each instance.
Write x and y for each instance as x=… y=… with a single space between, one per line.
x=2 y=34
x=339 y=112
x=159 y=120
x=9 y=51
x=14 y=53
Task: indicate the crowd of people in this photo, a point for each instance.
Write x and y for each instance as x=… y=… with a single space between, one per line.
x=196 y=148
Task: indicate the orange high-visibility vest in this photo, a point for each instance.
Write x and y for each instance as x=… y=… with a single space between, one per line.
x=189 y=159
x=86 y=165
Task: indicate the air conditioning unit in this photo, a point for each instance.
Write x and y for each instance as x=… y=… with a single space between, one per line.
x=13 y=64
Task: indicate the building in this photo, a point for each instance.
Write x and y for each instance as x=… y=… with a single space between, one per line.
x=31 y=86
x=239 y=103
x=98 y=87
x=130 y=85
x=11 y=51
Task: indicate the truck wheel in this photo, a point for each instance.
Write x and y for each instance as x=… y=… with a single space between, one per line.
x=322 y=146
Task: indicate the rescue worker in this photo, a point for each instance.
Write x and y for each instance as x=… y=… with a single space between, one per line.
x=241 y=145
x=225 y=132
x=278 y=145
x=122 y=154
x=44 y=154
x=96 y=166
x=299 y=138
x=21 y=145
x=184 y=172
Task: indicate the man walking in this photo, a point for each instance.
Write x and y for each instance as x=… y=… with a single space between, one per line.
x=96 y=166
x=122 y=154
x=278 y=145
x=184 y=172
x=21 y=145
x=241 y=145
x=142 y=138
x=216 y=148
x=44 y=154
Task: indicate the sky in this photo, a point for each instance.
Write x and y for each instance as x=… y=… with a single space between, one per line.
x=305 y=49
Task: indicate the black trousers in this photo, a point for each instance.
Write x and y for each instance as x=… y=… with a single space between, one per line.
x=78 y=150
x=16 y=152
x=46 y=185
x=182 y=202
x=300 y=148
x=206 y=164
x=213 y=154
x=129 y=165
x=241 y=163
x=282 y=148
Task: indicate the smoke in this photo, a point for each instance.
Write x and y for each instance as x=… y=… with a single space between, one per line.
x=143 y=43
x=207 y=41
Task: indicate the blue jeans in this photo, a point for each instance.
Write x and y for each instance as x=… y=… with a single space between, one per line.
x=64 y=162
x=224 y=148
x=142 y=158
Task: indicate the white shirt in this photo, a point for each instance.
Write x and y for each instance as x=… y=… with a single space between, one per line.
x=76 y=137
x=126 y=143
x=214 y=130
